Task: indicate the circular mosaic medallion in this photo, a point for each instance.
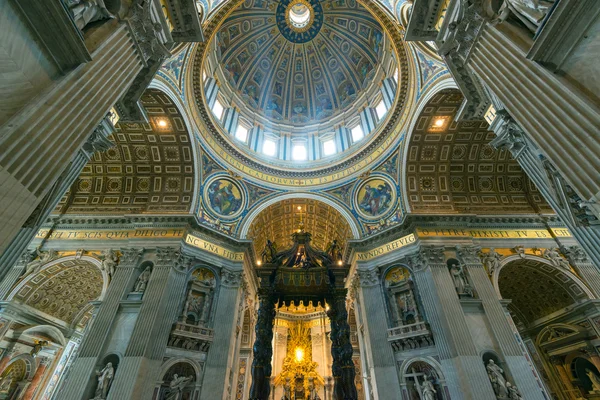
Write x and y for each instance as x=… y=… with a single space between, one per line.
x=375 y=197
x=224 y=197
x=299 y=21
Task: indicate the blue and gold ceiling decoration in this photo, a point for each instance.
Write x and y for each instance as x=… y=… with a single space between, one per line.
x=300 y=77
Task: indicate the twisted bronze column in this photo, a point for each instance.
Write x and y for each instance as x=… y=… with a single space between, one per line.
x=263 y=349
x=341 y=348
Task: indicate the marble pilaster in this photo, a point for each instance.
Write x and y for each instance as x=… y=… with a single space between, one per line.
x=158 y=312
x=461 y=363
x=40 y=141
x=220 y=358
x=550 y=182
x=97 y=142
x=77 y=383
x=519 y=367
x=583 y=266
x=382 y=366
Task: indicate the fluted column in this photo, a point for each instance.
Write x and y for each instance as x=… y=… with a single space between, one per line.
x=584 y=267
x=519 y=367
x=158 y=313
x=379 y=353
x=37 y=144
x=549 y=181
x=78 y=381
x=97 y=142
x=557 y=117
x=461 y=363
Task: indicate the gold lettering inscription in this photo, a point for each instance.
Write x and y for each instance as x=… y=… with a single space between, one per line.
x=386 y=248
x=213 y=248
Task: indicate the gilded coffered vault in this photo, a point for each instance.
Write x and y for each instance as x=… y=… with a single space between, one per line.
x=451 y=167
x=279 y=221
x=149 y=170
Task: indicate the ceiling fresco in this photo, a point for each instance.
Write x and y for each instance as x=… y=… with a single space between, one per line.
x=537 y=289
x=450 y=167
x=278 y=221
x=300 y=77
x=150 y=169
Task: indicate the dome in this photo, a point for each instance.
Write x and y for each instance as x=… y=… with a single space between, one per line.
x=293 y=74
x=301 y=88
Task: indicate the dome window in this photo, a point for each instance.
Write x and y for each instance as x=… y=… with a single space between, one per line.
x=381 y=110
x=299 y=152
x=218 y=109
x=357 y=133
x=269 y=147
x=299 y=15
x=329 y=147
x=241 y=133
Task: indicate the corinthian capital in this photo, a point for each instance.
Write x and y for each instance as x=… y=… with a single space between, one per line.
x=469 y=254
x=369 y=277
x=575 y=254
x=231 y=278
x=130 y=256
x=509 y=135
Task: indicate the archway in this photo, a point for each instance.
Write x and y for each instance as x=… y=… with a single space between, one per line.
x=540 y=296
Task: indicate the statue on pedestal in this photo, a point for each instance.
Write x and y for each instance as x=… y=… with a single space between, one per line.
x=85 y=12
x=105 y=378
x=142 y=280
x=177 y=385
x=269 y=252
x=496 y=375
x=460 y=280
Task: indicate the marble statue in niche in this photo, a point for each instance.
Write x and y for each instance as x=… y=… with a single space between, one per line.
x=199 y=300
x=177 y=385
x=460 y=280
x=530 y=12
x=44 y=257
x=105 y=378
x=513 y=392
x=142 y=281
x=85 y=12
x=402 y=300
x=427 y=390
x=496 y=376
x=594 y=379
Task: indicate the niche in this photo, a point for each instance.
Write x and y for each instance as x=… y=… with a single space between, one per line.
x=402 y=303
x=199 y=299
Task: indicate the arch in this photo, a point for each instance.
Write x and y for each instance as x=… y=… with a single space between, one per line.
x=63 y=287
x=48 y=331
x=447 y=83
x=92 y=260
x=508 y=259
x=451 y=168
x=183 y=111
x=150 y=170
x=29 y=362
x=424 y=362
x=172 y=361
x=427 y=360
x=341 y=208
x=536 y=287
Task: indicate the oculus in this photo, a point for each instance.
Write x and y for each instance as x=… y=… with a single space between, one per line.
x=299 y=21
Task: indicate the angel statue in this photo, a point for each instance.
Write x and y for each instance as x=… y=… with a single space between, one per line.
x=36 y=265
x=109 y=261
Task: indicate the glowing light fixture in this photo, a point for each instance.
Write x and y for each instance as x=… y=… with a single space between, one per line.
x=439 y=122
x=258 y=262
x=299 y=354
x=162 y=123
x=340 y=262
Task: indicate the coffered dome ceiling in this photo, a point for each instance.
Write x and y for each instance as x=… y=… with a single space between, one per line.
x=297 y=74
